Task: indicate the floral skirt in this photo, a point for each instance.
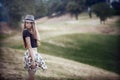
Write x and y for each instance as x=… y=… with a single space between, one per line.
x=39 y=62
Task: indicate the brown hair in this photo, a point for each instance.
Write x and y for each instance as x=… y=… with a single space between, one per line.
x=34 y=33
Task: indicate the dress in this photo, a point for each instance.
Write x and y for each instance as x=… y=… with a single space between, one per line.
x=39 y=62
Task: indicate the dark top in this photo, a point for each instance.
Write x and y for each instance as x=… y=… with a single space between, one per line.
x=26 y=33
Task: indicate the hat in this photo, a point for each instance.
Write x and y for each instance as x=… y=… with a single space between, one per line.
x=29 y=18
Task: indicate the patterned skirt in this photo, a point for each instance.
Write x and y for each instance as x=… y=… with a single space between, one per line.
x=39 y=62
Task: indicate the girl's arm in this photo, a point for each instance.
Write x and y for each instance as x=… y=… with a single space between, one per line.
x=37 y=36
x=37 y=33
x=30 y=50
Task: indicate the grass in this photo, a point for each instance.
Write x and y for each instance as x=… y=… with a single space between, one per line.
x=52 y=78
x=93 y=49
x=83 y=21
x=4 y=36
x=118 y=22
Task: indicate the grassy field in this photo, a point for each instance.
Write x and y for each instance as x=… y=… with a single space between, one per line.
x=94 y=49
x=82 y=42
x=85 y=40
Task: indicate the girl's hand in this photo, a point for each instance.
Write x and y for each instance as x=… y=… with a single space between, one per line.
x=33 y=64
x=38 y=42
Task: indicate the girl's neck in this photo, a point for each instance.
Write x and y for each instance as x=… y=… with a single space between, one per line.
x=30 y=30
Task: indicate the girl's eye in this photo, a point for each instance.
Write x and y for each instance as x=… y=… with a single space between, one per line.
x=31 y=22
x=28 y=22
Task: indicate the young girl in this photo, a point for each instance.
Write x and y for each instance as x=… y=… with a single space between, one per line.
x=32 y=58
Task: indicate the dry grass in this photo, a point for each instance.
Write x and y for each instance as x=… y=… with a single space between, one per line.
x=58 y=68
x=66 y=25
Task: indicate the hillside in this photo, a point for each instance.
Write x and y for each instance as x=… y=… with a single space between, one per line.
x=68 y=24
x=58 y=68
x=73 y=50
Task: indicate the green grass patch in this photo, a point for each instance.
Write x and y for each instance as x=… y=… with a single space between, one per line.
x=4 y=36
x=93 y=49
x=17 y=47
x=53 y=78
x=12 y=46
x=118 y=22
x=115 y=24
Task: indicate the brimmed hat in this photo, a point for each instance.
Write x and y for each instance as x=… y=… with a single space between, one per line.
x=29 y=18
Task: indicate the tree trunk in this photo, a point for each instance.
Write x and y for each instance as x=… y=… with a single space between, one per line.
x=76 y=16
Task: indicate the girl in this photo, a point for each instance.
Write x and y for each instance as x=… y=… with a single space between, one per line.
x=32 y=58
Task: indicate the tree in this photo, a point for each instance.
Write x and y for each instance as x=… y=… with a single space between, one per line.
x=40 y=9
x=75 y=7
x=17 y=9
x=3 y=13
x=103 y=11
x=54 y=6
x=116 y=6
x=92 y=2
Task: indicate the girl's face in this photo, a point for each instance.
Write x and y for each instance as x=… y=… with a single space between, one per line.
x=28 y=25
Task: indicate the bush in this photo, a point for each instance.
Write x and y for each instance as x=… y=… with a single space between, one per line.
x=103 y=11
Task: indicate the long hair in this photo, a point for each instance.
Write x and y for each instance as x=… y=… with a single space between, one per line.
x=34 y=32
